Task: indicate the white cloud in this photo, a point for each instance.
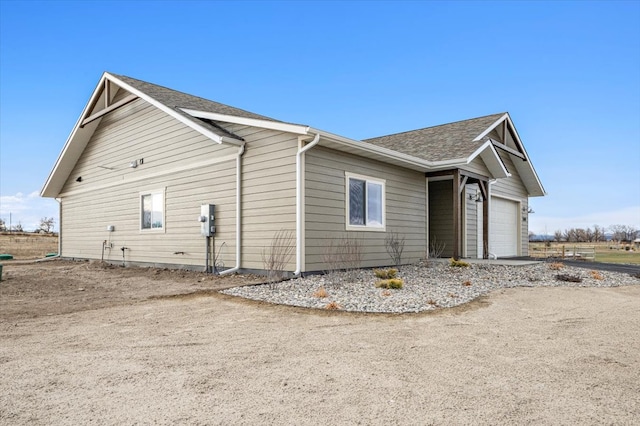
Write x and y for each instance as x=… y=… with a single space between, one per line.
x=627 y=216
x=27 y=209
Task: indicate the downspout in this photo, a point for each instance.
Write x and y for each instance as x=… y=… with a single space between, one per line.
x=489 y=254
x=238 y=212
x=299 y=200
x=59 y=200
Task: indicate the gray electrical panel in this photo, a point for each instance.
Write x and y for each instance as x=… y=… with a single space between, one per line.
x=207 y=220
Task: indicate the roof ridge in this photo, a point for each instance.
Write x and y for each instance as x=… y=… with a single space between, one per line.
x=437 y=125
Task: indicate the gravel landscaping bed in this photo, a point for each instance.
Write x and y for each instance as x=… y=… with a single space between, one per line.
x=426 y=286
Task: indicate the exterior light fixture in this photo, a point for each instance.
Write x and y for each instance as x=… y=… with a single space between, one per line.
x=133 y=164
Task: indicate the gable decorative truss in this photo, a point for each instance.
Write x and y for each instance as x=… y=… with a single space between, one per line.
x=507 y=131
x=104 y=91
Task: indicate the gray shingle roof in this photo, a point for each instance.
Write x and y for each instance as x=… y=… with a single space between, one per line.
x=174 y=99
x=439 y=143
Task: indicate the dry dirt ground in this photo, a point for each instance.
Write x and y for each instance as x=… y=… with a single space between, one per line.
x=110 y=354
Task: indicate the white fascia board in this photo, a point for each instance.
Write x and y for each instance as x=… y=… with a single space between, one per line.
x=526 y=156
x=490 y=128
x=265 y=124
x=528 y=176
x=175 y=114
x=46 y=188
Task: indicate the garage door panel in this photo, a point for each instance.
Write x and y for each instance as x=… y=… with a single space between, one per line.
x=504 y=217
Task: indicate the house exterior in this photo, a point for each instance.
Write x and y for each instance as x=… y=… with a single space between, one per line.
x=142 y=160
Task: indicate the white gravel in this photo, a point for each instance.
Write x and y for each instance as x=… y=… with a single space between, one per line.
x=426 y=286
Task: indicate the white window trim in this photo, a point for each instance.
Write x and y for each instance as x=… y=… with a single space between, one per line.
x=164 y=211
x=367 y=179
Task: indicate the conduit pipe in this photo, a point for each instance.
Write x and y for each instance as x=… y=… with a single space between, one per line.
x=238 y=213
x=299 y=200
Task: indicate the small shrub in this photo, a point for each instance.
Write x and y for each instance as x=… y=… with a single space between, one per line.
x=568 y=278
x=432 y=302
x=343 y=254
x=556 y=266
x=458 y=263
x=386 y=293
x=385 y=274
x=466 y=283
x=321 y=293
x=332 y=306
x=276 y=257
x=596 y=275
x=436 y=248
x=395 y=246
x=453 y=295
x=394 y=283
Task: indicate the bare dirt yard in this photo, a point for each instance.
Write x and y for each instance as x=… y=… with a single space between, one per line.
x=82 y=343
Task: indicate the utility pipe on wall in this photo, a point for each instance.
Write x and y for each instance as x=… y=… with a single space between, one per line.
x=238 y=212
x=299 y=200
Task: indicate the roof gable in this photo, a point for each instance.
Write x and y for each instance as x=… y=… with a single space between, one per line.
x=463 y=141
x=100 y=103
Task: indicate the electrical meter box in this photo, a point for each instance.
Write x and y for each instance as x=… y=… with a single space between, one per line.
x=207 y=220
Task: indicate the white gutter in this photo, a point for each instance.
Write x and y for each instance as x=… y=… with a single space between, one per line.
x=238 y=213
x=298 y=129
x=299 y=200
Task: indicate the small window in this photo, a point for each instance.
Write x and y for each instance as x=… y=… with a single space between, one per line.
x=365 y=203
x=152 y=211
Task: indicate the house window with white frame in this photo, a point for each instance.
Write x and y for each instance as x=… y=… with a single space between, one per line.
x=365 y=203
x=152 y=210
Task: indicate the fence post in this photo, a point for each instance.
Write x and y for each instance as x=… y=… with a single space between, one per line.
x=563 y=251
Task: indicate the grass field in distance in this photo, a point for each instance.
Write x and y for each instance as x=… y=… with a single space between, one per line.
x=25 y=246
x=606 y=252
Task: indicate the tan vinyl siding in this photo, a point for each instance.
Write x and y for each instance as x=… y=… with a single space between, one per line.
x=175 y=158
x=441 y=215
x=477 y=166
x=513 y=188
x=325 y=210
x=268 y=190
x=471 y=218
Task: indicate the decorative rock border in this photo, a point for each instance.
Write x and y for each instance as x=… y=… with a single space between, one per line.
x=426 y=286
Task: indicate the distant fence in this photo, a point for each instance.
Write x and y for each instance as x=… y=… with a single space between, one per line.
x=566 y=252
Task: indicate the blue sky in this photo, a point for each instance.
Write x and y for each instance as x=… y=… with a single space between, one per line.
x=567 y=72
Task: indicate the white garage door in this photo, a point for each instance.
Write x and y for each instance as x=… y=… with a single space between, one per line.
x=503 y=236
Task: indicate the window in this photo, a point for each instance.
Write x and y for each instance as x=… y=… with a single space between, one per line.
x=152 y=210
x=365 y=203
